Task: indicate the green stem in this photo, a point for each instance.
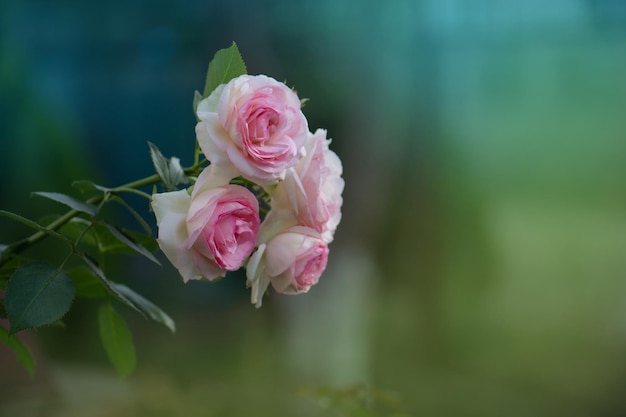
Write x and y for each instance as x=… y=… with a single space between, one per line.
x=134 y=191
x=196 y=154
x=62 y=220
x=152 y=179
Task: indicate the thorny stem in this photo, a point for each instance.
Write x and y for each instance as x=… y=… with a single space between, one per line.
x=62 y=220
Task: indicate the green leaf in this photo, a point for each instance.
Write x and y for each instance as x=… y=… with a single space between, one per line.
x=225 y=65
x=116 y=339
x=31 y=224
x=85 y=186
x=71 y=202
x=3 y=310
x=75 y=228
x=129 y=297
x=108 y=243
x=21 y=350
x=197 y=98
x=128 y=241
x=148 y=242
x=108 y=285
x=169 y=170
x=147 y=307
x=37 y=294
x=87 y=284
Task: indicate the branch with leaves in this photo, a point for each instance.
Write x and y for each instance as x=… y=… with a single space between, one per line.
x=39 y=294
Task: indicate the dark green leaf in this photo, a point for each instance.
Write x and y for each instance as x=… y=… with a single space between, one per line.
x=129 y=297
x=108 y=243
x=85 y=186
x=169 y=170
x=23 y=353
x=109 y=285
x=75 y=228
x=31 y=224
x=71 y=202
x=116 y=339
x=128 y=241
x=147 y=307
x=3 y=311
x=225 y=65
x=148 y=242
x=37 y=294
x=87 y=284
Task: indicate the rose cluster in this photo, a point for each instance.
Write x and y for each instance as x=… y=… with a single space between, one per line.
x=262 y=159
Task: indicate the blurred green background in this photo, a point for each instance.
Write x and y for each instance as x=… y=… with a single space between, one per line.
x=480 y=267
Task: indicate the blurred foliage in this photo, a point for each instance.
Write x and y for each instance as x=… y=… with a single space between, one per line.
x=356 y=401
x=479 y=267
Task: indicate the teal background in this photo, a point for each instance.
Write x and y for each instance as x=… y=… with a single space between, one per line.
x=480 y=266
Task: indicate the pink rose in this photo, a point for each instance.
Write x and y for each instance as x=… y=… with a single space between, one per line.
x=255 y=124
x=310 y=195
x=210 y=232
x=292 y=262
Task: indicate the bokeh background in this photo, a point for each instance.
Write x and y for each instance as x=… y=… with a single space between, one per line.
x=480 y=267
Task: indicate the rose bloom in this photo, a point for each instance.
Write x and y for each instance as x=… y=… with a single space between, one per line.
x=255 y=124
x=211 y=231
x=292 y=262
x=310 y=195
